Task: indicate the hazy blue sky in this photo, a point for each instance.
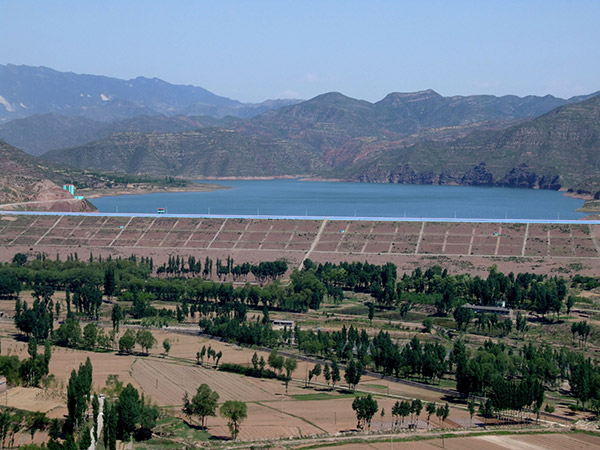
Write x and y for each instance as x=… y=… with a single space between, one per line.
x=252 y=50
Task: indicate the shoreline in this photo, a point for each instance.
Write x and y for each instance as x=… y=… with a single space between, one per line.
x=140 y=190
x=200 y=185
x=276 y=177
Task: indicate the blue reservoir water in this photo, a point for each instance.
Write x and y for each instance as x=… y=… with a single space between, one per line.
x=300 y=198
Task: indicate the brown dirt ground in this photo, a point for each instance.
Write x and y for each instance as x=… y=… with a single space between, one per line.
x=462 y=247
x=512 y=442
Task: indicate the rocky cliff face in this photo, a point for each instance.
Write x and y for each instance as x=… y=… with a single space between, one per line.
x=519 y=177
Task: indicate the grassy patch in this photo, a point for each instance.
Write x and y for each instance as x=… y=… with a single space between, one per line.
x=445 y=322
x=322 y=396
x=355 y=310
x=157 y=444
x=374 y=386
x=168 y=428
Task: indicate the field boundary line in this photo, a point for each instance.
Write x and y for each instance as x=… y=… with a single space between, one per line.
x=148 y=228
x=420 y=238
x=239 y=239
x=525 y=240
x=369 y=235
x=498 y=241
x=469 y=252
x=47 y=231
x=76 y=228
x=572 y=241
x=260 y=244
x=168 y=233
x=262 y=403
x=93 y=236
x=216 y=234
x=120 y=232
x=394 y=239
x=314 y=243
x=27 y=227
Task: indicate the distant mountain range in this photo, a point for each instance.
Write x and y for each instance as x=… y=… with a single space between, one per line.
x=40 y=133
x=558 y=149
x=418 y=137
x=406 y=138
x=26 y=91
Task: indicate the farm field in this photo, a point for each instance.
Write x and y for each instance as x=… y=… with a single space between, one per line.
x=273 y=413
x=552 y=441
x=472 y=246
x=301 y=412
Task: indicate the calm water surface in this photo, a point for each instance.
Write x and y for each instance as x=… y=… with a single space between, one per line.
x=299 y=198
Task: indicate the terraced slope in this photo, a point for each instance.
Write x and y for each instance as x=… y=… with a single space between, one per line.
x=460 y=246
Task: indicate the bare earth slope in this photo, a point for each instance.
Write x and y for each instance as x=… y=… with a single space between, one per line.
x=541 y=248
x=23 y=179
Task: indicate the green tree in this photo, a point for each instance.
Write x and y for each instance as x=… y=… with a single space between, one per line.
x=4 y=425
x=90 y=336
x=314 y=372
x=463 y=317
x=371 y=306
x=20 y=259
x=335 y=373
x=235 y=412
x=127 y=342
x=276 y=361
x=327 y=374
x=68 y=333
x=145 y=339
x=290 y=365
x=442 y=413
x=203 y=404
x=471 y=407
x=85 y=439
x=109 y=282
x=116 y=316
x=415 y=408
x=430 y=408
x=111 y=417
x=54 y=430
x=427 y=324
x=78 y=393
x=128 y=411
x=570 y=303
x=147 y=419
x=353 y=373
x=365 y=408
x=167 y=346
x=95 y=414
x=404 y=410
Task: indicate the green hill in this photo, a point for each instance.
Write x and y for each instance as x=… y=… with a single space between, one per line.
x=558 y=149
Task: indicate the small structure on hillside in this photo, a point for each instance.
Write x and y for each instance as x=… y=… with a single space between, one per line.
x=70 y=188
x=280 y=324
x=3 y=385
